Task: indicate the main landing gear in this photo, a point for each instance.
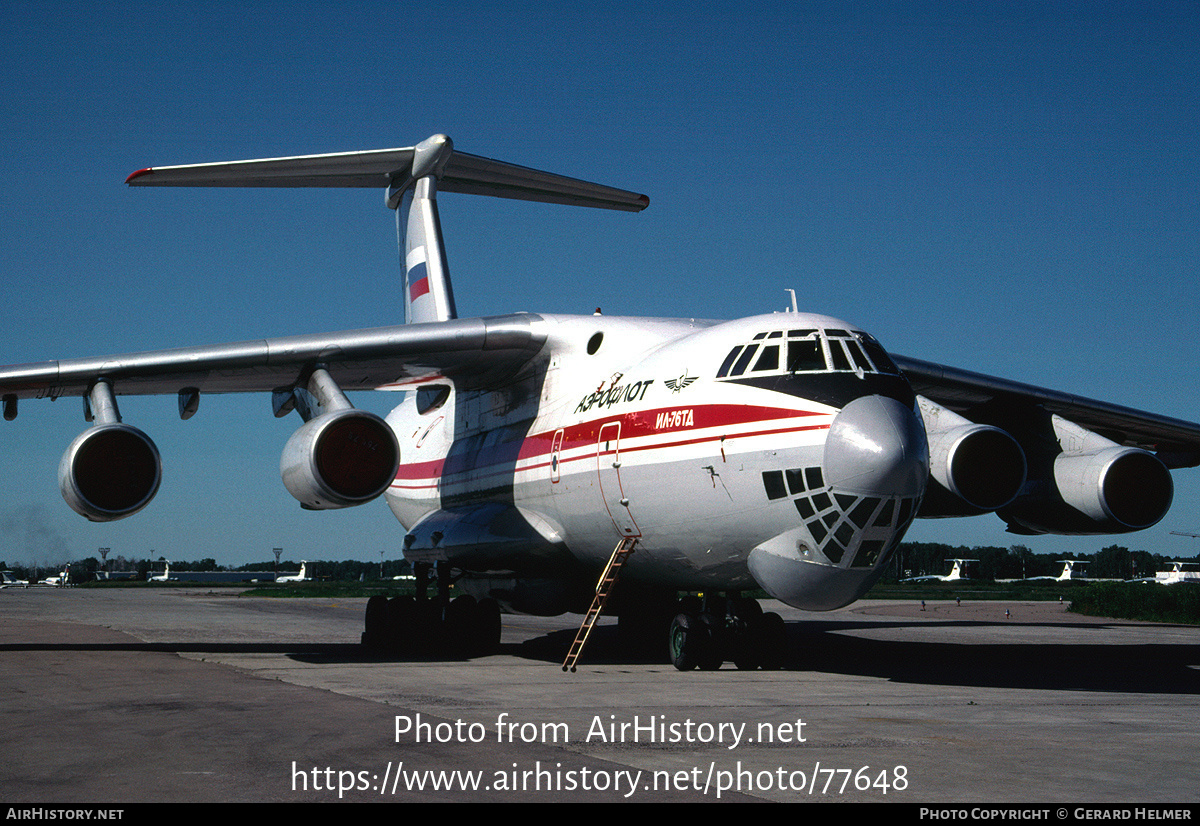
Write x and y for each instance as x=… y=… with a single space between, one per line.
x=706 y=633
x=432 y=626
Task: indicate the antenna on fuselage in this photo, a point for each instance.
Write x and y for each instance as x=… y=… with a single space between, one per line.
x=795 y=309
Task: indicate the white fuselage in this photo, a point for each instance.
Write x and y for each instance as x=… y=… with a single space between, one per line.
x=660 y=430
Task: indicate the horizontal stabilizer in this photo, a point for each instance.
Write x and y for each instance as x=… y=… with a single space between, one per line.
x=381 y=168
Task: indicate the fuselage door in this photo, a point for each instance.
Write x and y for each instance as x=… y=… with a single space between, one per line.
x=608 y=466
x=555 y=450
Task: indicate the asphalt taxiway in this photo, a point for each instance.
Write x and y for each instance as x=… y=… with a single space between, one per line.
x=181 y=694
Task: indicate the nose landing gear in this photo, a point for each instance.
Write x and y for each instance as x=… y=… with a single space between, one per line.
x=705 y=634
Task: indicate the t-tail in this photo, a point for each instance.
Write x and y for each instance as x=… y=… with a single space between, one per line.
x=412 y=177
x=428 y=295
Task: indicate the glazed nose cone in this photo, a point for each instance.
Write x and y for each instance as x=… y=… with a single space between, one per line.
x=877 y=447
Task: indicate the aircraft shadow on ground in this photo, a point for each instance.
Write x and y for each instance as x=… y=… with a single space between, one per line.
x=813 y=646
x=819 y=647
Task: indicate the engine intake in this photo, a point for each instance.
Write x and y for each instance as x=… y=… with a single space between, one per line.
x=1114 y=490
x=340 y=459
x=978 y=469
x=109 y=472
x=1126 y=487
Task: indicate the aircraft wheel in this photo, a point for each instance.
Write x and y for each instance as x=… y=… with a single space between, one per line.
x=772 y=641
x=427 y=631
x=746 y=609
x=747 y=642
x=486 y=636
x=399 y=622
x=459 y=620
x=712 y=655
x=751 y=644
x=688 y=640
x=374 y=623
x=747 y=648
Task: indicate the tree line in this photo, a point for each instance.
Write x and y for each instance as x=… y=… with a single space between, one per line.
x=911 y=559
x=86 y=569
x=1019 y=562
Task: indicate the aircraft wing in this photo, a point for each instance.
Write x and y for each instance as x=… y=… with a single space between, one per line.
x=987 y=398
x=475 y=351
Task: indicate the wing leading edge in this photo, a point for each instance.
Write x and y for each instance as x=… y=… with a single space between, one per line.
x=474 y=351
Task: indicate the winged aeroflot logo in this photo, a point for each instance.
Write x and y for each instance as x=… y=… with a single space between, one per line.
x=678 y=384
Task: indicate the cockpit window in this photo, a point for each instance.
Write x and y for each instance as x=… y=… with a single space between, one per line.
x=744 y=360
x=805 y=354
x=878 y=355
x=807 y=351
x=840 y=361
x=769 y=360
x=860 y=358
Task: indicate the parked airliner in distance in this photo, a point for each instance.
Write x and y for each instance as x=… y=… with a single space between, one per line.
x=1072 y=571
x=302 y=576
x=60 y=580
x=788 y=452
x=165 y=576
x=1181 y=571
x=958 y=570
x=7 y=580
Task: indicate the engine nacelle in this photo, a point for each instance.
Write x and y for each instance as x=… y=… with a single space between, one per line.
x=978 y=469
x=1126 y=487
x=109 y=472
x=340 y=459
x=1112 y=490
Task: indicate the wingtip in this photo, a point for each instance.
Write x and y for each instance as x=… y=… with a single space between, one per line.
x=139 y=174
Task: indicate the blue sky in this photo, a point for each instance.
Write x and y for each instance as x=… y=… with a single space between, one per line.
x=1007 y=187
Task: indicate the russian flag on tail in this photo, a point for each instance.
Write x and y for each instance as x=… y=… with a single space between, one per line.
x=418 y=281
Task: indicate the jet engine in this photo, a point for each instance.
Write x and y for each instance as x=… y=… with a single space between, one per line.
x=1093 y=486
x=1114 y=490
x=339 y=459
x=977 y=468
x=109 y=472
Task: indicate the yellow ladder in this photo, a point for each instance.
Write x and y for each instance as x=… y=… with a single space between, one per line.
x=607 y=580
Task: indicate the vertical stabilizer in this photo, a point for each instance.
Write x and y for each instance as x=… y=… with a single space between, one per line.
x=427 y=292
x=428 y=295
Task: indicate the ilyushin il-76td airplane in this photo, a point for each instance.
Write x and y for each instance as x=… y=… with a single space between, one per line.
x=786 y=452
